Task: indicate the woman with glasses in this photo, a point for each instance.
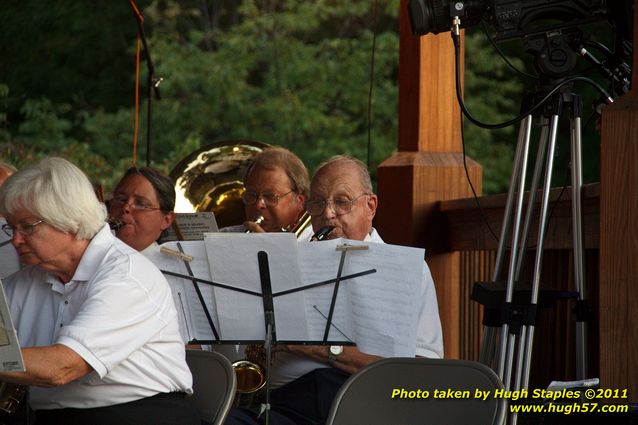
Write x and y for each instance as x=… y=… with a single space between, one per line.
x=277 y=185
x=143 y=203
x=95 y=318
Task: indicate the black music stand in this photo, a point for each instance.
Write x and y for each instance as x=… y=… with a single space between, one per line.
x=267 y=295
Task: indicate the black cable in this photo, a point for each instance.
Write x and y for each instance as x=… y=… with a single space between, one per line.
x=502 y=55
x=468 y=115
x=467 y=174
x=469 y=181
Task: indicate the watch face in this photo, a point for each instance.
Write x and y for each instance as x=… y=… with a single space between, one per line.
x=336 y=350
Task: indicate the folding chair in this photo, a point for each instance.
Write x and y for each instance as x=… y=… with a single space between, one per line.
x=367 y=396
x=214 y=384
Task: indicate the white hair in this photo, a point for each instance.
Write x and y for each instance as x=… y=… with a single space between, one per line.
x=57 y=192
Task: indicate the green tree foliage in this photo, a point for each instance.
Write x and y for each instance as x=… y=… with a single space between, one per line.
x=288 y=72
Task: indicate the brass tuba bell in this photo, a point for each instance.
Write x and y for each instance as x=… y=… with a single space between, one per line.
x=212 y=179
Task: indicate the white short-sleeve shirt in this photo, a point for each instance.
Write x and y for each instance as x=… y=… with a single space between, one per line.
x=117 y=313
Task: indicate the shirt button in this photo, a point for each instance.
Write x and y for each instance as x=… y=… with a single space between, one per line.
x=66 y=302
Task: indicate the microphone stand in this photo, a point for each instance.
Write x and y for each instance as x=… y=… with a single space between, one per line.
x=152 y=82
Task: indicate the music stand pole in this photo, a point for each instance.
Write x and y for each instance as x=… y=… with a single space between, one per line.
x=269 y=318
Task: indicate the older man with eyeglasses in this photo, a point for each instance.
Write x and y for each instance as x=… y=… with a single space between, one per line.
x=277 y=185
x=307 y=378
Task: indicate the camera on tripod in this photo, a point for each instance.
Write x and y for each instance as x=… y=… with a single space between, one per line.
x=551 y=31
x=509 y=18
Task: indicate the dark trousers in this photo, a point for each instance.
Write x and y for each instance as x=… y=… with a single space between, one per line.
x=304 y=401
x=160 y=409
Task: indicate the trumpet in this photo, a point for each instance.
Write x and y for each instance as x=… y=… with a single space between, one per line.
x=301 y=225
x=258 y=220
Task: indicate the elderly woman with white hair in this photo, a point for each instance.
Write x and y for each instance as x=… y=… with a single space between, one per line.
x=95 y=317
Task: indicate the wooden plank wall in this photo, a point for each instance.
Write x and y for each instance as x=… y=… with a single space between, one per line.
x=619 y=239
x=554 y=348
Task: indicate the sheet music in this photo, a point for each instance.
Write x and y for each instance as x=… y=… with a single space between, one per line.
x=233 y=261
x=193 y=322
x=9 y=262
x=10 y=353
x=192 y=226
x=378 y=311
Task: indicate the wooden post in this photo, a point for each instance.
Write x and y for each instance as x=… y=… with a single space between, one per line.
x=428 y=166
x=618 y=307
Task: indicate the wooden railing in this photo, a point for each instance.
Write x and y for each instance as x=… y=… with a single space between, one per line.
x=467 y=231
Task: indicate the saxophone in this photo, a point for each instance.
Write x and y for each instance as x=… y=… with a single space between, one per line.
x=11 y=395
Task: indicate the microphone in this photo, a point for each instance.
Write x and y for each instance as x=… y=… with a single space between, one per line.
x=322 y=233
x=258 y=220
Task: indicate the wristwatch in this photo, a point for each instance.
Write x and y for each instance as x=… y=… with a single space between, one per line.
x=334 y=352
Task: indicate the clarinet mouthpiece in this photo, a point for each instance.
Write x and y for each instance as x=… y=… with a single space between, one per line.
x=115 y=223
x=322 y=233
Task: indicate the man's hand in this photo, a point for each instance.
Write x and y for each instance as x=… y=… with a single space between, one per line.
x=253 y=227
x=351 y=360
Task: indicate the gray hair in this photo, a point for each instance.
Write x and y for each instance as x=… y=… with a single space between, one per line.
x=362 y=169
x=57 y=192
x=280 y=157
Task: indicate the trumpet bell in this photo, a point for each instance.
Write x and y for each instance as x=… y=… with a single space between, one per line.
x=212 y=179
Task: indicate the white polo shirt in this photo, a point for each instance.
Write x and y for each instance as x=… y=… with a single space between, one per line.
x=117 y=313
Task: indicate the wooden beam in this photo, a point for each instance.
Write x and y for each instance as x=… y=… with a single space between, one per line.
x=619 y=240
x=429 y=165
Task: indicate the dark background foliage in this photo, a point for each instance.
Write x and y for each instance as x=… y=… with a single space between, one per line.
x=287 y=72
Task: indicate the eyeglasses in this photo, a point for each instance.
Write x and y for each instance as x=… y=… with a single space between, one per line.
x=270 y=199
x=137 y=204
x=340 y=206
x=24 y=229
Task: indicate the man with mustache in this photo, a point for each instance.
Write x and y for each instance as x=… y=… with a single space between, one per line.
x=277 y=185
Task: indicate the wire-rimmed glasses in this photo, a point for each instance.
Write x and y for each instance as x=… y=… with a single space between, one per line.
x=137 y=204
x=25 y=229
x=270 y=199
x=340 y=206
